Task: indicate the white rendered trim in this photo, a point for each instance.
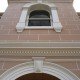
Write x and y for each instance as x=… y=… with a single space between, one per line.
x=21 y=25
x=38 y=64
x=19 y=44
x=39 y=27
x=39 y=1
x=49 y=68
x=23 y=15
x=55 y=15
x=55 y=23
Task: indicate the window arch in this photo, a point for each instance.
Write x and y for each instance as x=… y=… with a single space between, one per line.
x=39 y=18
x=45 y=9
x=48 y=68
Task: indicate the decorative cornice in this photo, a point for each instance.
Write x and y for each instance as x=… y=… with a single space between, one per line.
x=42 y=1
x=39 y=52
x=39 y=49
x=24 y=44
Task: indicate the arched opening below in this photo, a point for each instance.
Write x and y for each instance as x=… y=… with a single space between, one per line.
x=48 y=68
x=37 y=76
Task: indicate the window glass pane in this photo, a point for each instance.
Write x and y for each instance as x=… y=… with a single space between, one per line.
x=39 y=23
x=39 y=14
x=39 y=18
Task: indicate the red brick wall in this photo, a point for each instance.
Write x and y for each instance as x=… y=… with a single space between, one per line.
x=67 y=15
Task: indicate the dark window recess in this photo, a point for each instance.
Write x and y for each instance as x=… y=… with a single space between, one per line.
x=1 y=15
x=37 y=76
x=39 y=18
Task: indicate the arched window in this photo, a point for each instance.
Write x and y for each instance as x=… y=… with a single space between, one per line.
x=39 y=18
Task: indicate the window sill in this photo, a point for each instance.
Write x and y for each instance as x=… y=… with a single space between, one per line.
x=21 y=26
x=38 y=27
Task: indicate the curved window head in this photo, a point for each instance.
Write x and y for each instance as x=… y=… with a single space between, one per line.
x=39 y=18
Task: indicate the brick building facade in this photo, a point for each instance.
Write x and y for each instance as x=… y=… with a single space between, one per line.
x=53 y=49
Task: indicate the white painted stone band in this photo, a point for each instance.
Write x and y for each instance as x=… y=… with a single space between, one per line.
x=49 y=68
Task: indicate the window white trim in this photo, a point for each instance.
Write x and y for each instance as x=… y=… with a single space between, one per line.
x=51 y=8
x=56 y=23
x=39 y=1
x=45 y=67
x=38 y=27
x=21 y=25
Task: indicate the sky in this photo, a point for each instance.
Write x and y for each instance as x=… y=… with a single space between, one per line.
x=4 y=5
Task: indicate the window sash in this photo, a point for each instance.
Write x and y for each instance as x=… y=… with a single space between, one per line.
x=39 y=19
